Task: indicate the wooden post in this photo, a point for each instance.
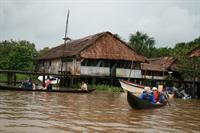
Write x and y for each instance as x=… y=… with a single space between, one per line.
x=163 y=71
x=111 y=81
x=8 y=78
x=130 y=71
x=71 y=81
x=194 y=77
x=11 y=78
x=14 y=74
x=43 y=79
x=93 y=81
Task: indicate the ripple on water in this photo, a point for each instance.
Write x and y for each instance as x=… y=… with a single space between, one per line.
x=95 y=112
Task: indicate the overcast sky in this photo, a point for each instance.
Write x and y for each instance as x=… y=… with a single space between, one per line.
x=43 y=21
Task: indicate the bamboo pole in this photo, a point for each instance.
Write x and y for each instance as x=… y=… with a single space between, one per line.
x=194 y=77
x=130 y=70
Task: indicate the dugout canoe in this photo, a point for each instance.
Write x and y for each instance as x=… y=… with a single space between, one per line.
x=131 y=87
x=62 y=90
x=137 y=103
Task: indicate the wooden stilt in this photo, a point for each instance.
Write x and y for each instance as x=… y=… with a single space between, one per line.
x=15 y=80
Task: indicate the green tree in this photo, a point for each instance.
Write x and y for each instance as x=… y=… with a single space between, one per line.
x=43 y=51
x=142 y=43
x=17 y=55
x=186 y=65
x=160 y=52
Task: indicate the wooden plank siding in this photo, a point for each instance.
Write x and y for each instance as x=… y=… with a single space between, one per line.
x=96 y=68
x=126 y=73
x=95 y=71
x=102 y=54
x=50 y=66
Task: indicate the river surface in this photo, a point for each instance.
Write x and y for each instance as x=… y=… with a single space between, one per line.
x=43 y=112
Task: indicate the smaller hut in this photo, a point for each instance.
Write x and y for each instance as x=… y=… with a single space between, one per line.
x=195 y=54
x=158 y=68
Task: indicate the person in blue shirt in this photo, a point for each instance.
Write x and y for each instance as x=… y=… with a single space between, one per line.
x=147 y=95
x=161 y=97
x=28 y=84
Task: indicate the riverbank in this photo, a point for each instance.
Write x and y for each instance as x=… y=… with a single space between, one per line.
x=99 y=87
x=102 y=87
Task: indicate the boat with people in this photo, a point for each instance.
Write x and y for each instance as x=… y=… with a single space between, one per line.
x=41 y=89
x=138 y=103
x=142 y=97
x=138 y=89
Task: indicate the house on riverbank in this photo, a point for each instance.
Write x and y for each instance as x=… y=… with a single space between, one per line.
x=195 y=54
x=159 y=68
x=99 y=55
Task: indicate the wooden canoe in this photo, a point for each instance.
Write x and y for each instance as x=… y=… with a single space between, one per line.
x=63 y=90
x=137 y=103
x=131 y=87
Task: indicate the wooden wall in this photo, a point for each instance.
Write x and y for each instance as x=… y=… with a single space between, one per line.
x=74 y=67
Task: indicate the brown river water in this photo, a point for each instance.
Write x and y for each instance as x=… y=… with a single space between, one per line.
x=43 y=112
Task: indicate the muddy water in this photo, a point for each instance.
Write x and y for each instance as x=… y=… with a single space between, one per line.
x=43 y=112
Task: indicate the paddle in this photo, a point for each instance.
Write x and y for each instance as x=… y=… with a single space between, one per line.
x=165 y=95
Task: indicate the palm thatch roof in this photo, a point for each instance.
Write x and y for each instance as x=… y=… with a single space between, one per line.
x=159 y=64
x=103 y=45
x=194 y=53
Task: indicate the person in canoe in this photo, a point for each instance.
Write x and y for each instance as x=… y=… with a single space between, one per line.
x=147 y=94
x=48 y=84
x=155 y=94
x=28 y=84
x=84 y=86
x=158 y=96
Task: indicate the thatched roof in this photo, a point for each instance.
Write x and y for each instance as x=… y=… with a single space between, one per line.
x=159 y=64
x=163 y=61
x=194 y=53
x=103 y=45
x=152 y=67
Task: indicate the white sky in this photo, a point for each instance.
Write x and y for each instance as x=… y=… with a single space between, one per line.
x=43 y=21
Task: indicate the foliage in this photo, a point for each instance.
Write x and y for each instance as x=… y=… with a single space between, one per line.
x=102 y=87
x=186 y=65
x=3 y=77
x=160 y=52
x=145 y=45
x=43 y=51
x=142 y=43
x=17 y=55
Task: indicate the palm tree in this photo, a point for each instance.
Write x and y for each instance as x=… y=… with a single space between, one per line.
x=142 y=43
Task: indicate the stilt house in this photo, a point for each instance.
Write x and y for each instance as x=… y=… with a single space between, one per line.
x=102 y=54
x=158 y=68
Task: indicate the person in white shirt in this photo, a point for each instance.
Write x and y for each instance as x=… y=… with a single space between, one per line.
x=83 y=86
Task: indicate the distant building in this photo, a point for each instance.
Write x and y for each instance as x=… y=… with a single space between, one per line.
x=102 y=54
x=158 y=68
x=194 y=53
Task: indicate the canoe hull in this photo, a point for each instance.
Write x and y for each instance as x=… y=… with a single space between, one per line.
x=138 y=103
x=66 y=90
x=131 y=87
